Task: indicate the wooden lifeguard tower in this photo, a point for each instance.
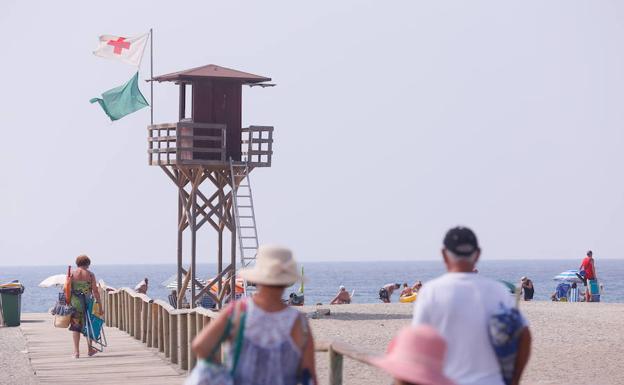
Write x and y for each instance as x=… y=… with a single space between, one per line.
x=209 y=156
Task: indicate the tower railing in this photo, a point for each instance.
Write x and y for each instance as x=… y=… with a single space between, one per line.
x=189 y=143
x=186 y=142
x=257 y=143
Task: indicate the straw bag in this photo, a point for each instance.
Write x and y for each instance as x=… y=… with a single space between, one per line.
x=62 y=312
x=62 y=321
x=208 y=372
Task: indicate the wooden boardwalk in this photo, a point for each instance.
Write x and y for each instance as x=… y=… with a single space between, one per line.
x=126 y=360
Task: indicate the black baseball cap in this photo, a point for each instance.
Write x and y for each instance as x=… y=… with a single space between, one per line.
x=461 y=241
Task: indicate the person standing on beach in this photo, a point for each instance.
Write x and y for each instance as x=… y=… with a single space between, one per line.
x=461 y=306
x=386 y=291
x=527 y=288
x=587 y=265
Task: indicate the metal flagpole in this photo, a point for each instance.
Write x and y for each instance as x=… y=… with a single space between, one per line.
x=151 y=77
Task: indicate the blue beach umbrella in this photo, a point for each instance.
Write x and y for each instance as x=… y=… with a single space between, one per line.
x=568 y=276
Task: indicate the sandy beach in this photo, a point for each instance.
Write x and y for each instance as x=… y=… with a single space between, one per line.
x=573 y=343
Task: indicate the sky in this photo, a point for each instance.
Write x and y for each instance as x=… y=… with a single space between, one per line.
x=394 y=121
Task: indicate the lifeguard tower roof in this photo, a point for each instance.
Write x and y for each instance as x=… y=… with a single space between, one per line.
x=212 y=71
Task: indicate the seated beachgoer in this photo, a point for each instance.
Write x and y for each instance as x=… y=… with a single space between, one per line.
x=415 y=356
x=407 y=291
x=342 y=298
x=141 y=287
x=417 y=286
x=386 y=291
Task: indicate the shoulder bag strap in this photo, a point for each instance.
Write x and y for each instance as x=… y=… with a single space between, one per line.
x=242 y=316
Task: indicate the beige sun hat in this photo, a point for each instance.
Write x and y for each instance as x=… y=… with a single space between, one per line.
x=275 y=266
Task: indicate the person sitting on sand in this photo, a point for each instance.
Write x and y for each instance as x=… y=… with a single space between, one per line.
x=465 y=308
x=407 y=291
x=527 y=289
x=386 y=291
x=417 y=286
x=415 y=356
x=141 y=287
x=342 y=298
x=276 y=345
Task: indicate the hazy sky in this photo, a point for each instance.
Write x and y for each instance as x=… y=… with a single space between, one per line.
x=393 y=121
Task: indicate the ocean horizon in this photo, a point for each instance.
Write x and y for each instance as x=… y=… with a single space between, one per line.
x=324 y=278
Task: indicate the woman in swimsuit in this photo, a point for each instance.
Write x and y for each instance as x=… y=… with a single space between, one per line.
x=84 y=288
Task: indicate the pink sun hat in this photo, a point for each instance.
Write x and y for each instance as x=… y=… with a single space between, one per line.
x=416 y=355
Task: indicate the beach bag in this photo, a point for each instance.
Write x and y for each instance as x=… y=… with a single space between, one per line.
x=62 y=321
x=208 y=372
x=62 y=312
x=504 y=330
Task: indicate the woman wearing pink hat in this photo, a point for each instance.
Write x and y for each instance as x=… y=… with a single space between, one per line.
x=415 y=357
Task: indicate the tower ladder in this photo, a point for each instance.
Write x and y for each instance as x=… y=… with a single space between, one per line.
x=244 y=214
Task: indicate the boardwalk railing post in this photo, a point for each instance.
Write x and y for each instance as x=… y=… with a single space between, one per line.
x=183 y=339
x=155 y=319
x=161 y=327
x=138 y=306
x=143 y=320
x=335 y=367
x=148 y=326
x=192 y=332
x=165 y=332
x=173 y=338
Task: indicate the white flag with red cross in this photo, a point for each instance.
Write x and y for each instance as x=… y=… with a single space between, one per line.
x=127 y=49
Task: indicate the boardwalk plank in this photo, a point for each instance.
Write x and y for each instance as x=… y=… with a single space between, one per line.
x=125 y=360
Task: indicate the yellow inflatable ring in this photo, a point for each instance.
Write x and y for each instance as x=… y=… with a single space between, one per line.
x=408 y=298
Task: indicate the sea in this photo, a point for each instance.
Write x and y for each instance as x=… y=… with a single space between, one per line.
x=324 y=278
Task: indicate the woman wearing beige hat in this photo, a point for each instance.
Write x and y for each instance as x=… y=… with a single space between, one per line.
x=277 y=347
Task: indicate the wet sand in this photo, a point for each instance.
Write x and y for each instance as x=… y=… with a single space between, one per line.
x=573 y=343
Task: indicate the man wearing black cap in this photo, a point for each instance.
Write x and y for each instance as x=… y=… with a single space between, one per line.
x=461 y=305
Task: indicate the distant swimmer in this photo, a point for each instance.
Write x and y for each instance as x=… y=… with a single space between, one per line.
x=342 y=298
x=386 y=292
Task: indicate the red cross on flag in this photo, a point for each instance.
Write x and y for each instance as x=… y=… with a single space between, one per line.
x=127 y=49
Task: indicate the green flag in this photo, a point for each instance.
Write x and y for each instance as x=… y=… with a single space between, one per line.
x=122 y=100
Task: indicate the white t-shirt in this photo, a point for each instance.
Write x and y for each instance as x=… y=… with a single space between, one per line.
x=459 y=306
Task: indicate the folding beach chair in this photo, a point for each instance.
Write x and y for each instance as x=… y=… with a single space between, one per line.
x=207 y=302
x=562 y=291
x=93 y=329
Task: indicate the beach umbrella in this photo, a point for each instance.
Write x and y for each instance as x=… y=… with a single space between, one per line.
x=54 y=280
x=568 y=276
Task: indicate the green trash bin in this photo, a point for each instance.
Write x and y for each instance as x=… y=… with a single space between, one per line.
x=11 y=303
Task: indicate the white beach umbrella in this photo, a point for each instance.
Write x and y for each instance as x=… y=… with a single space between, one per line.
x=54 y=280
x=568 y=276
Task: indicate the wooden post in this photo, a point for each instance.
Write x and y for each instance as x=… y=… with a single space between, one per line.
x=183 y=339
x=173 y=338
x=192 y=332
x=137 y=317
x=148 y=328
x=144 y=315
x=335 y=367
x=193 y=226
x=160 y=334
x=179 y=176
x=154 y=325
x=124 y=308
x=165 y=332
x=117 y=310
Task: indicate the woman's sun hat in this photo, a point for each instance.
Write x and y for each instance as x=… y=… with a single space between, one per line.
x=415 y=355
x=275 y=266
